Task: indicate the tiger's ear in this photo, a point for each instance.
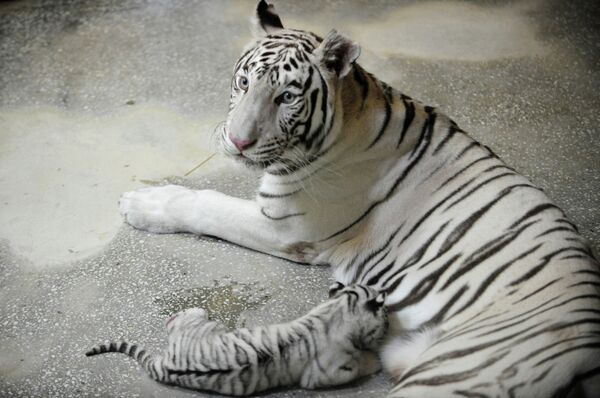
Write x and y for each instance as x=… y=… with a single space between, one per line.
x=336 y=287
x=375 y=304
x=266 y=19
x=337 y=53
x=380 y=299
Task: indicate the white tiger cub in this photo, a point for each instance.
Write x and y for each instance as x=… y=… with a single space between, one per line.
x=331 y=345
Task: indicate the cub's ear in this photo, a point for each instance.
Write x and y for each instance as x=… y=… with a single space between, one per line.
x=266 y=19
x=337 y=53
x=380 y=299
x=336 y=287
x=375 y=304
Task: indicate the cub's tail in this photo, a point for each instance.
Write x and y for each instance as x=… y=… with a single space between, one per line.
x=146 y=360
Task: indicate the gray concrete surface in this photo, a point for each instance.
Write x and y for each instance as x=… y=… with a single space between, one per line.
x=100 y=97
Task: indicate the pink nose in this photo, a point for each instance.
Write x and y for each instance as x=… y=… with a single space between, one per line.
x=241 y=144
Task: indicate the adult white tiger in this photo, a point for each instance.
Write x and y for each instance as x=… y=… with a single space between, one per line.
x=492 y=291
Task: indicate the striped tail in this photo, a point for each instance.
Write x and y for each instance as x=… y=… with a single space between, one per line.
x=145 y=359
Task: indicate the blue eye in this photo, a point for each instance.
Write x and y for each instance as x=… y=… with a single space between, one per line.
x=242 y=82
x=286 y=98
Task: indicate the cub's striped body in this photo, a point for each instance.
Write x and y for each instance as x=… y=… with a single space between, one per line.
x=331 y=345
x=492 y=290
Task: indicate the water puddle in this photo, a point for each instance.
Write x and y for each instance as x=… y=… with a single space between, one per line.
x=224 y=301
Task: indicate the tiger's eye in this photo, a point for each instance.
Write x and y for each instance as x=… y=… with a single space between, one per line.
x=287 y=97
x=242 y=83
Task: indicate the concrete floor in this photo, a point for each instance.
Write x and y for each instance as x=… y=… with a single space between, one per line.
x=101 y=97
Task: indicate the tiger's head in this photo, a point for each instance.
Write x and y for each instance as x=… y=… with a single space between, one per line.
x=283 y=93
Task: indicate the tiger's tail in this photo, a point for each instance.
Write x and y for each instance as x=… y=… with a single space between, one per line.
x=145 y=359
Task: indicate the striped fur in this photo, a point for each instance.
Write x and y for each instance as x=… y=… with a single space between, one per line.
x=492 y=291
x=331 y=345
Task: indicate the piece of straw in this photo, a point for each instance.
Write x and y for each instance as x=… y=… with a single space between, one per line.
x=199 y=165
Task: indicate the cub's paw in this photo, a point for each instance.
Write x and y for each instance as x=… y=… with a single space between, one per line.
x=197 y=313
x=369 y=364
x=156 y=209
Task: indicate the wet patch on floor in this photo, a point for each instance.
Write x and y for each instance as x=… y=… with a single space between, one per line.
x=224 y=301
x=82 y=164
x=453 y=30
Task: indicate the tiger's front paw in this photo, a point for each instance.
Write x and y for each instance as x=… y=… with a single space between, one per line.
x=156 y=209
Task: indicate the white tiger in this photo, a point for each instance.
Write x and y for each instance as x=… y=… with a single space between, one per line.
x=492 y=290
x=331 y=345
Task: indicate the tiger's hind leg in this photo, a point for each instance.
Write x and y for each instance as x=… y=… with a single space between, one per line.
x=529 y=352
x=403 y=350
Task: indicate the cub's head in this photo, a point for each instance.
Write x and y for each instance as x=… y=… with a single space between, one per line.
x=283 y=93
x=364 y=313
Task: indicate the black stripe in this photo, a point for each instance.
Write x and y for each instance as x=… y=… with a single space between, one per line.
x=309 y=138
x=535 y=211
x=409 y=115
x=386 y=120
x=567 y=351
x=262 y=210
x=430 y=119
x=442 y=379
x=320 y=134
x=439 y=317
x=535 y=270
x=552 y=282
x=470 y=394
x=549 y=347
x=555 y=229
x=466 y=149
x=375 y=278
x=462 y=171
x=477 y=187
x=200 y=373
x=451 y=131
x=542 y=375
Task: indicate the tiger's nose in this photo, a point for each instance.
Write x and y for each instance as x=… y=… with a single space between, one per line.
x=241 y=144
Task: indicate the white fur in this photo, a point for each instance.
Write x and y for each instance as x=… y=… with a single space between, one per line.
x=400 y=352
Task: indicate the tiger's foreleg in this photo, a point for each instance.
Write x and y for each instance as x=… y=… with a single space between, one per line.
x=171 y=208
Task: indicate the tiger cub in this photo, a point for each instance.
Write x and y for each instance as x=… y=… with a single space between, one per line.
x=331 y=345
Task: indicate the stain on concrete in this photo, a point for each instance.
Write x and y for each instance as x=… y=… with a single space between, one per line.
x=224 y=301
x=453 y=30
x=67 y=171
